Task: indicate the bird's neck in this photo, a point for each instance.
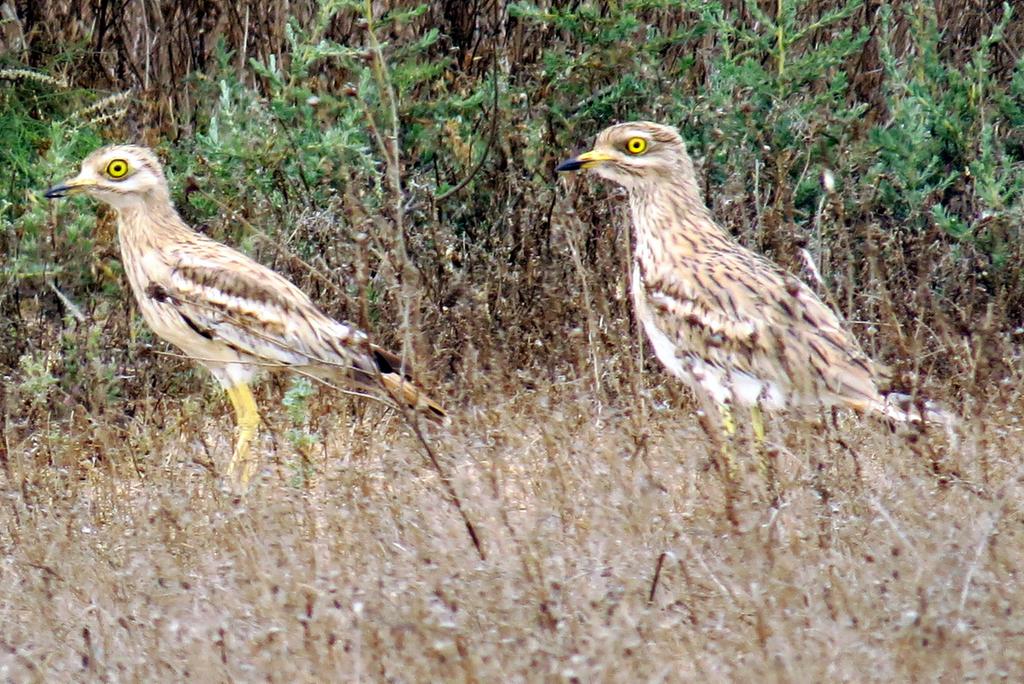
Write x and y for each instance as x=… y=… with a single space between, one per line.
x=147 y=234
x=151 y=224
x=672 y=221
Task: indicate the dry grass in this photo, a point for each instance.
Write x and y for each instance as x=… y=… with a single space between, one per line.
x=895 y=557
x=612 y=552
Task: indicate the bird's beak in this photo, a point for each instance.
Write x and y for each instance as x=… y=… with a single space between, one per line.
x=72 y=186
x=584 y=161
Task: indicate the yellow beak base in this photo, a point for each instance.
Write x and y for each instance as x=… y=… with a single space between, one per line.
x=584 y=161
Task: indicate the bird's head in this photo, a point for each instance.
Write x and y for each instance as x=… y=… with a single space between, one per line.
x=634 y=153
x=120 y=175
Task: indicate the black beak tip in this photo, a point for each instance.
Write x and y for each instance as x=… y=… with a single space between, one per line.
x=570 y=165
x=56 y=192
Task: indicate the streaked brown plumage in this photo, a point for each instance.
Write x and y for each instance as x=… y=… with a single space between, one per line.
x=220 y=307
x=719 y=316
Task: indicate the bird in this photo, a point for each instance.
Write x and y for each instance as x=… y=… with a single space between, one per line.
x=731 y=324
x=225 y=310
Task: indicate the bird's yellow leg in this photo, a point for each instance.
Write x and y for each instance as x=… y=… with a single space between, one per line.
x=757 y=424
x=729 y=428
x=243 y=464
x=728 y=422
x=765 y=464
x=727 y=462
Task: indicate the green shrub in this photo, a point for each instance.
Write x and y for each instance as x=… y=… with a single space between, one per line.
x=938 y=159
x=399 y=168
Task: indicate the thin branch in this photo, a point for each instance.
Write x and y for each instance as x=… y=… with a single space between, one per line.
x=453 y=496
x=449 y=487
x=657 y=576
x=72 y=308
x=490 y=140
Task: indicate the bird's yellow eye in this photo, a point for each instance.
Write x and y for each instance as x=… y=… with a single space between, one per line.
x=636 y=146
x=117 y=168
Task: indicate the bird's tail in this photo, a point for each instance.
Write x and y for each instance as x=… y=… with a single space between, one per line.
x=906 y=409
x=400 y=386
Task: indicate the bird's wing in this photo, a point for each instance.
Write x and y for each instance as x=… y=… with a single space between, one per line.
x=738 y=311
x=224 y=295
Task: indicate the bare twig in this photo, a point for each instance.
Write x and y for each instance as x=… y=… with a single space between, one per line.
x=446 y=481
x=490 y=140
x=657 y=576
x=391 y=150
x=72 y=308
x=411 y=419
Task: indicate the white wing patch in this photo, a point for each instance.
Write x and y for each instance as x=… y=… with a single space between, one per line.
x=735 y=386
x=665 y=350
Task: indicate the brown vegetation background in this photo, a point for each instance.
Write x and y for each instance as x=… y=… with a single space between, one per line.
x=614 y=550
